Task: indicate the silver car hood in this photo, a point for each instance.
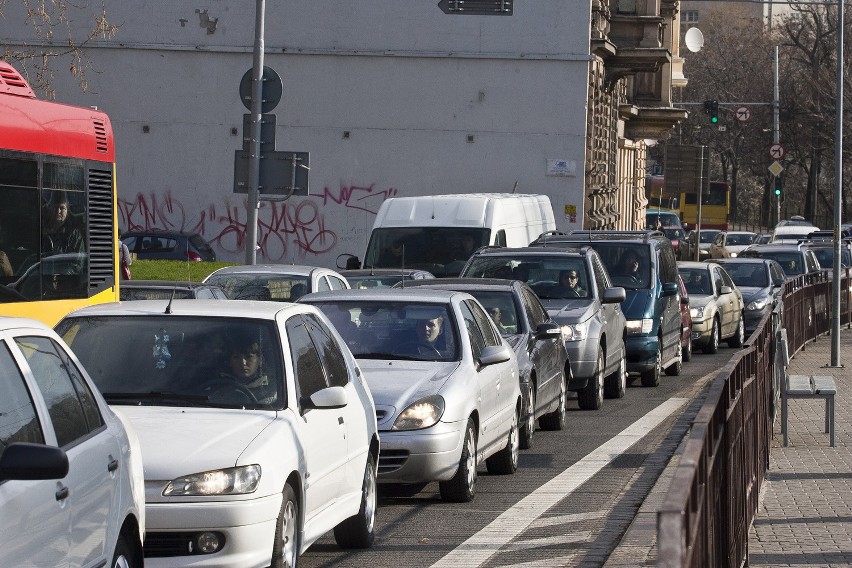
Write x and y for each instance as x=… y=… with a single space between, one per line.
x=396 y=384
x=569 y=311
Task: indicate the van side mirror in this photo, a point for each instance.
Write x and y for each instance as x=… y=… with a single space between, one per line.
x=347 y=261
x=670 y=288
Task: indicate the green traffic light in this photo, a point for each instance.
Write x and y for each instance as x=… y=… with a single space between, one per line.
x=714 y=119
x=777 y=192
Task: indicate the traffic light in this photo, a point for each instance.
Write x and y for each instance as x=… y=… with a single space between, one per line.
x=778 y=186
x=712 y=110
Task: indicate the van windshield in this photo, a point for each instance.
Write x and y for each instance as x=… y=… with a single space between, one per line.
x=443 y=251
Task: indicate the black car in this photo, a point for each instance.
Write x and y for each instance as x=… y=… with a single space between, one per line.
x=760 y=280
x=795 y=259
x=382 y=277
x=157 y=245
x=537 y=340
x=167 y=289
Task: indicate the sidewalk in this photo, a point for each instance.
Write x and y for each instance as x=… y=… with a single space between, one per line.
x=805 y=512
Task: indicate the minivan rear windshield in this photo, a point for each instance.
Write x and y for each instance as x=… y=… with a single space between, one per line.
x=443 y=251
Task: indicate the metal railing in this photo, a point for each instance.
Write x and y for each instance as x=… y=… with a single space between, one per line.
x=713 y=497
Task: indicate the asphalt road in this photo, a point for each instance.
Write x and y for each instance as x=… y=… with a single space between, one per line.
x=571 y=500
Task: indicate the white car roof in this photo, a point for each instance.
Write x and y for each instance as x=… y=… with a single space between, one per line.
x=229 y=308
x=282 y=269
x=13 y=323
x=414 y=294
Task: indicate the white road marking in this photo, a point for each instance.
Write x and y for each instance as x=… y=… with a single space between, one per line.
x=546 y=563
x=477 y=549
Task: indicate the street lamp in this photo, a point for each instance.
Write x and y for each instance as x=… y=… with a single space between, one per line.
x=838 y=188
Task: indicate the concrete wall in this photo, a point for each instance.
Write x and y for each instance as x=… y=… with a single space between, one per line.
x=390 y=97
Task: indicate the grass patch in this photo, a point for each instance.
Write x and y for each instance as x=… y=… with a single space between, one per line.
x=174 y=270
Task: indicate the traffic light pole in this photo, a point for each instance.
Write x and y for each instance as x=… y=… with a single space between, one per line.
x=776 y=131
x=254 y=158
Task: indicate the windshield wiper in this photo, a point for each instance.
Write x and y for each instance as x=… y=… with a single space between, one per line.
x=139 y=397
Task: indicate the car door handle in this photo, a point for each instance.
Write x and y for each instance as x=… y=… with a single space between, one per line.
x=62 y=493
x=112 y=466
x=340 y=420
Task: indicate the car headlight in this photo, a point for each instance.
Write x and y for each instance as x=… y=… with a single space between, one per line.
x=575 y=331
x=230 y=481
x=758 y=304
x=640 y=327
x=697 y=312
x=733 y=255
x=421 y=414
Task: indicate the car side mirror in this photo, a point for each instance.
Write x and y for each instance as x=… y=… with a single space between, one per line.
x=614 y=295
x=347 y=261
x=494 y=354
x=27 y=461
x=670 y=288
x=547 y=330
x=725 y=290
x=330 y=397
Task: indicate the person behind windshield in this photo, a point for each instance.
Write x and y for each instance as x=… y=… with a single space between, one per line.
x=569 y=285
x=628 y=267
x=61 y=234
x=245 y=368
x=392 y=256
x=497 y=317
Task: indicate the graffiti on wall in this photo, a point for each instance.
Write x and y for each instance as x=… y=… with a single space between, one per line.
x=286 y=230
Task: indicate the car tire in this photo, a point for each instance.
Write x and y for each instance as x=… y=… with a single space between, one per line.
x=124 y=555
x=676 y=368
x=505 y=462
x=591 y=396
x=615 y=385
x=713 y=344
x=285 y=549
x=359 y=530
x=739 y=337
x=462 y=487
x=686 y=353
x=651 y=378
x=553 y=421
x=527 y=431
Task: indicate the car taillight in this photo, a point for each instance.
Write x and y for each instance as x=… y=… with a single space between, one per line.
x=192 y=255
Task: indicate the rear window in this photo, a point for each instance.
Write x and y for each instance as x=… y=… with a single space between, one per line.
x=199 y=243
x=261 y=286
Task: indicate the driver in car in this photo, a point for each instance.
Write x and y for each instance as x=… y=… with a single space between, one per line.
x=245 y=368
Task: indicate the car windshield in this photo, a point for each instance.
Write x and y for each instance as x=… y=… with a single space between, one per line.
x=825 y=256
x=628 y=264
x=707 y=236
x=748 y=274
x=180 y=361
x=550 y=277
x=395 y=330
x=278 y=288
x=442 y=251
x=792 y=262
x=673 y=234
x=697 y=281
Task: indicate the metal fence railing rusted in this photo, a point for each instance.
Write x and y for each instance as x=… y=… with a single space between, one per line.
x=713 y=496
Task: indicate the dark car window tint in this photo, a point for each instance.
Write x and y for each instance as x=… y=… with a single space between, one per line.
x=536 y=313
x=65 y=409
x=491 y=336
x=329 y=352
x=477 y=342
x=306 y=360
x=322 y=284
x=601 y=276
x=501 y=307
x=336 y=283
x=87 y=400
x=668 y=263
x=18 y=420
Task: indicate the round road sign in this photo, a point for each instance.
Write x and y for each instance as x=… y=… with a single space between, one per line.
x=742 y=114
x=272 y=89
x=776 y=151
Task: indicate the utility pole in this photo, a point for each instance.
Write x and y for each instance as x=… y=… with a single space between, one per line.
x=253 y=198
x=838 y=188
x=776 y=132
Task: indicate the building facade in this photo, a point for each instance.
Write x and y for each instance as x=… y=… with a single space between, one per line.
x=388 y=98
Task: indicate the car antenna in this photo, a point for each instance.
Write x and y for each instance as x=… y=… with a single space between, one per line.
x=402 y=269
x=169 y=306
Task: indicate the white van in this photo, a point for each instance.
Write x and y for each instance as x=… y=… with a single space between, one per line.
x=438 y=233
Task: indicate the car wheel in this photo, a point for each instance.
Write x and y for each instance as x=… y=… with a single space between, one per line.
x=462 y=487
x=739 y=337
x=124 y=556
x=555 y=420
x=592 y=395
x=615 y=385
x=676 y=368
x=505 y=462
x=651 y=378
x=528 y=429
x=686 y=352
x=359 y=531
x=713 y=345
x=285 y=549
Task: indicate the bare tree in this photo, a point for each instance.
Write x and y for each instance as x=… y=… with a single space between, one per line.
x=54 y=42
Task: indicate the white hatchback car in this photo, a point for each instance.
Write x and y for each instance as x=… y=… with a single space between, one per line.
x=444 y=380
x=258 y=430
x=71 y=487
